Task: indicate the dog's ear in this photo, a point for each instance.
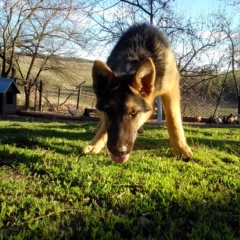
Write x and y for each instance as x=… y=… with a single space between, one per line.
x=144 y=78
x=103 y=78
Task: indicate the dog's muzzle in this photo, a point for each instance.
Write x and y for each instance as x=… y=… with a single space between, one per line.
x=119 y=159
x=119 y=154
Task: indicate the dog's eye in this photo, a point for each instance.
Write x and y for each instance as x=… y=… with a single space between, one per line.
x=134 y=112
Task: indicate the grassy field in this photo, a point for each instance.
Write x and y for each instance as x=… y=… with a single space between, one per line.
x=62 y=71
x=49 y=190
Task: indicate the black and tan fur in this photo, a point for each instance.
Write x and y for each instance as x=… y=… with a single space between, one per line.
x=141 y=67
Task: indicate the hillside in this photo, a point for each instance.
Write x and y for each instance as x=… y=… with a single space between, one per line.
x=61 y=72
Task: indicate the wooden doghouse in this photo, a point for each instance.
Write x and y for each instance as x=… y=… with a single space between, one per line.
x=8 y=96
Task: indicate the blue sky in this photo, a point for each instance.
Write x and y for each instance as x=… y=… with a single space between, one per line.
x=195 y=7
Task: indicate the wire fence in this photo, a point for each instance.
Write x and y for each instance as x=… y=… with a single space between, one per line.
x=215 y=97
x=200 y=100
x=47 y=98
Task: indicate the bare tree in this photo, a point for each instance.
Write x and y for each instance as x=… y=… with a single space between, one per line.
x=111 y=18
x=230 y=39
x=39 y=29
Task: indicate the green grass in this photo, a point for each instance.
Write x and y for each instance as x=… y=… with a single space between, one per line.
x=48 y=190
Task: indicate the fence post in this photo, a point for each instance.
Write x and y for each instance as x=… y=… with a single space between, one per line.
x=35 y=97
x=40 y=96
x=78 y=96
x=159 y=110
x=79 y=87
x=58 y=97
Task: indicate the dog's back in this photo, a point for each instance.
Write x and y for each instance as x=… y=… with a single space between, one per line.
x=136 y=45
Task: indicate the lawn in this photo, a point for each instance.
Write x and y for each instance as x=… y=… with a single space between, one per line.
x=49 y=190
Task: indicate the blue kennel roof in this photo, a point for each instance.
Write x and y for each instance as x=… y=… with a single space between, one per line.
x=6 y=83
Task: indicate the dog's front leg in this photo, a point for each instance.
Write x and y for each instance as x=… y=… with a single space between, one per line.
x=171 y=104
x=97 y=127
x=98 y=142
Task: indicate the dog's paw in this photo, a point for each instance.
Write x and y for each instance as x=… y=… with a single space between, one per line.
x=184 y=152
x=94 y=149
x=187 y=152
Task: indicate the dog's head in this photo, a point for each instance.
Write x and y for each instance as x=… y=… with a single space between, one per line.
x=126 y=102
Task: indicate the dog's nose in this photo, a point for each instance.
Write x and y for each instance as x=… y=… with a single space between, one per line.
x=120 y=151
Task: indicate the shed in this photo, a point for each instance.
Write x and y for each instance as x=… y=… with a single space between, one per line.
x=8 y=96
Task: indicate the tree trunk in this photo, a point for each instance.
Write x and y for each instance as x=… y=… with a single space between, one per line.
x=27 y=97
x=238 y=104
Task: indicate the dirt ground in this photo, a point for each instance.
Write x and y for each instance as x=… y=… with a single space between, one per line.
x=35 y=116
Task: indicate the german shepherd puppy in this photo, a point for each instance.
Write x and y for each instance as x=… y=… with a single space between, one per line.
x=141 y=67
